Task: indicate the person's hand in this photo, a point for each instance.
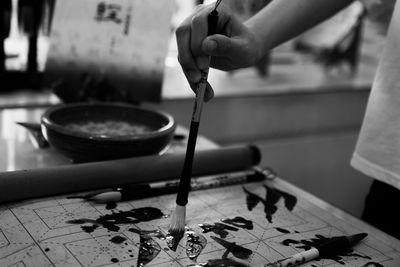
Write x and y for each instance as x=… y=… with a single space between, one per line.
x=234 y=46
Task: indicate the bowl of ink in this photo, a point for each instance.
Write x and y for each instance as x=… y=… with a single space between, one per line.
x=86 y=132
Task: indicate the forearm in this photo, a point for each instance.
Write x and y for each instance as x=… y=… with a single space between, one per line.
x=282 y=20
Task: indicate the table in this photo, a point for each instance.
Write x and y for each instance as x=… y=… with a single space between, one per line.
x=247 y=224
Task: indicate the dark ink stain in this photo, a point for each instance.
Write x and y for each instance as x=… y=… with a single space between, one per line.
x=285 y=231
x=148 y=250
x=231 y=247
x=289 y=200
x=219 y=263
x=47 y=249
x=111 y=221
x=218 y=228
x=195 y=244
x=372 y=264
x=80 y=221
x=288 y=242
x=111 y=205
x=252 y=200
x=273 y=195
x=89 y=229
x=239 y=222
x=118 y=239
x=114 y=260
x=320 y=240
x=173 y=238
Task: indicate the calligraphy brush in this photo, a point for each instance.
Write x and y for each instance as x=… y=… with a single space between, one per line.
x=177 y=226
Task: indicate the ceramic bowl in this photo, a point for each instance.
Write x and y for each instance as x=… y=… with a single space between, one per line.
x=101 y=131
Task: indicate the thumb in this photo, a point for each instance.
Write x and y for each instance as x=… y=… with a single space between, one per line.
x=221 y=45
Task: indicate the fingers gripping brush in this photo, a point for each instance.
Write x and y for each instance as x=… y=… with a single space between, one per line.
x=177 y=227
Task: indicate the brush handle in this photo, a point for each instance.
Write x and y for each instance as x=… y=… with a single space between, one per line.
x=184 y=183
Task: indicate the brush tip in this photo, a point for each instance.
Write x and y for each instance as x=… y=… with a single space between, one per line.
x=178 y=218
x=177 y=227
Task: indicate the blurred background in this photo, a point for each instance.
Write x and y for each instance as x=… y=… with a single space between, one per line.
x=341 y=44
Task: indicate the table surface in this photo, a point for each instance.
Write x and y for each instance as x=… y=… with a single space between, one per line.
x=59 y=231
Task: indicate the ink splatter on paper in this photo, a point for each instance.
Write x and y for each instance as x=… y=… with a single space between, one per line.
x=219 y=263
x=372 y=264
x=307 y=244
x=148 y=250
x=111 y=221
x=273 y=195
x=239 y=222
x=218 y=228
x=231 y=247
x=282 y=230
x=173 y=238
x=195 y=244
x=117 y=239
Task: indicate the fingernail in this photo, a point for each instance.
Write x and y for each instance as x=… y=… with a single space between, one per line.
x=210 y=46
x=193 y=76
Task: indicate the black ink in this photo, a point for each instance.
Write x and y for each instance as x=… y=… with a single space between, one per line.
x=111 y=221
x=273 y=195
x=289 y=200
x=239 y=222
x=285 y=231
x=318 y=241
x=231 y=247
x=218 y=228
x=173 y=238
x=219 y=263
x=195 y=244
x=47 y=249
x=118 y=239
x=111 y=205
x=89 y=229
x=288 y=242
x=252 y=200
x=372 y=264
x=148 y=250
x=114 y=260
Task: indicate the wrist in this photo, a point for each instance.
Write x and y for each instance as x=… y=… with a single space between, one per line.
x=257 y=47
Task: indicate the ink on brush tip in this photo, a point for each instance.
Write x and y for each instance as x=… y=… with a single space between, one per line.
x=177 y=227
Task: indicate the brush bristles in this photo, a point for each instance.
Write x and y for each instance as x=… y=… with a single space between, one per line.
x=178 y=219
x=177 y=227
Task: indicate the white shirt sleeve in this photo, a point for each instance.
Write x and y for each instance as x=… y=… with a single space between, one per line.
x=377 y=153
